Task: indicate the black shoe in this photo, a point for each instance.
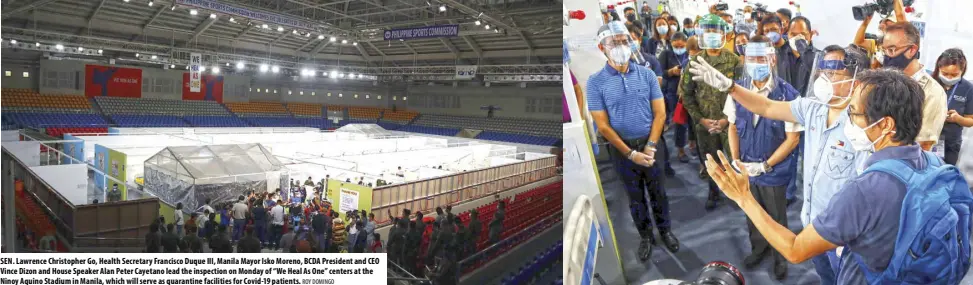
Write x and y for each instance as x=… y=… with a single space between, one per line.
x=780 y=268
x=684 y=158
x=645 y=249
x=754 y=259
x=670 y=172
x=670 y=241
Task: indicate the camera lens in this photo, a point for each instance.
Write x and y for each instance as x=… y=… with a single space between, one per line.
x=720 y=273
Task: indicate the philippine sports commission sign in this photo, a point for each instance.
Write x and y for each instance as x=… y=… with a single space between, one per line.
x=422 y=32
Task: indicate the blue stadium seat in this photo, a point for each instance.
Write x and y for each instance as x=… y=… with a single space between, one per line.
x=43 y=120
x=148 y=121
x=215 y=121
x=429 y=130
x=273 y=121
x=516 y=138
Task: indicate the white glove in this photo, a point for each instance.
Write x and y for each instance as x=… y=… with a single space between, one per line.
x=708 y=74
x=650 y=151
x=641 y=159
x=755 y=168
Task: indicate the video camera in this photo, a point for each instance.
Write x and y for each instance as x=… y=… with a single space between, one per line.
x=718 y=273
x=883 y=7
x=759 y=10
x=722 y=7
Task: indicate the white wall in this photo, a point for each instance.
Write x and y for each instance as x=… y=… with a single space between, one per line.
x=27 y=151
x=74 y=70
x=70 y=180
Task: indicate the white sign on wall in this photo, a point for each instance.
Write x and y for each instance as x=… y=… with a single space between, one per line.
x=195 y=76
x=349 y=200
x=465 y=72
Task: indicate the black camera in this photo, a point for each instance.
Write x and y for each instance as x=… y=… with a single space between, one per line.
x=722 y=7
x=882 y=7
x=718 y=273
x=759 y=11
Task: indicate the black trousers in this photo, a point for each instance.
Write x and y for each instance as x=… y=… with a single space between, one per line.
x=773 y=200
x=638 y=181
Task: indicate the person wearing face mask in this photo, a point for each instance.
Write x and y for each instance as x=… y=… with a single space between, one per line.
x=873 y=47
x=746 y=25
x=904 y=220
x=730 y=37
x=705 y=103
x=652 y=63
x=740 y=44
x=831 y=158
x=765 y=146
x=630 y=16
x=791 y=56
x=660 y=39
x=688 y=28
x=673 y=61
x=626 y=104
x=674 y=25
x=950 y=69
x=901 y=48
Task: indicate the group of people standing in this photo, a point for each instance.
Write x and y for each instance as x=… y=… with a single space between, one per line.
x=790 y=120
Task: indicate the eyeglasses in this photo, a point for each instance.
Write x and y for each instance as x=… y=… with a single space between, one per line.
x=890 y=51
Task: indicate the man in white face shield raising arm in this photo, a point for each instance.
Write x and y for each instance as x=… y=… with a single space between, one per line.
x=627 y=105
x=830 y=158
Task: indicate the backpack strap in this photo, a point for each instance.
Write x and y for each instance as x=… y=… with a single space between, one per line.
x=898 y=168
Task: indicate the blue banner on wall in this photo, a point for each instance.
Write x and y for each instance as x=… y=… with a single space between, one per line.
x=251 y=14
x=74 y=149
x=422 y=32
x=101 y=163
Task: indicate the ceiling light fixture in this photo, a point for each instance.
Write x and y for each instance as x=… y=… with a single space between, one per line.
x=263 y=68
x=13 y=41
x=202 y=69
x=193 y=12
x=265 y=26
x=100 y=51
x=477 y=22
x=320 y=37
x=354 y=43
x=487 y=26
x=59 y=47
x=442 y=8
x=212 y=16
x=172 y=66
x=216 y=70
x=275 y=69
x=344 y=41
x=333 y=39
x=136 y=54
x=37 y=44
x=154 y=57
x=280 y=29
x=227 y=64
x=232 y=20
x=239 y=65
x=151 y=3
x=173 y=8
x=334 y=73
x=80 y=49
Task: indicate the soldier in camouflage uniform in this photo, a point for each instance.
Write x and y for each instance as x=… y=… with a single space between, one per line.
x=705 y=103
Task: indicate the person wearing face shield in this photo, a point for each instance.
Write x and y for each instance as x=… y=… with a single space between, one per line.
x=950 y=68
x=766 y=147
x=704 y=102
x=901 y=48
x=831 y=159
x=904 y=220
x=626 y=104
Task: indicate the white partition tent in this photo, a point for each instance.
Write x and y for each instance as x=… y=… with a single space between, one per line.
x=192 y=174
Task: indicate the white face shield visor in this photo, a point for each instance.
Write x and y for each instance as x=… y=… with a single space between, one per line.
x=618 y=45
x=832 y=79
x=760 y=63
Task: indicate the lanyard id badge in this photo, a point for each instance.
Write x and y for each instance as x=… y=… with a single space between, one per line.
x=940 y=149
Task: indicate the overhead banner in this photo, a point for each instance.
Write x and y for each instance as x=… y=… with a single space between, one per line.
x=112 y=81
x=465 y=72
x=211 y=88
x=195 y=62
x=268 y=17
x=443 y=31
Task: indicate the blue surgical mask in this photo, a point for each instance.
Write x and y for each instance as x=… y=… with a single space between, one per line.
x=949 y=81
x=712 y=41
x=740 y=49
x=690 y=31
x=663 y=30
x=774 y=37
x=758 y=71
x=679 y=51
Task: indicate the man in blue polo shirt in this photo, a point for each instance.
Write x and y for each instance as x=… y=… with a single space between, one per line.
x=830 y=159
x=627 y=105
x=871 y=216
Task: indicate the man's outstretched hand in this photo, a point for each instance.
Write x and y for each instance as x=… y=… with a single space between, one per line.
x=702 y=71
x=736 y=185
